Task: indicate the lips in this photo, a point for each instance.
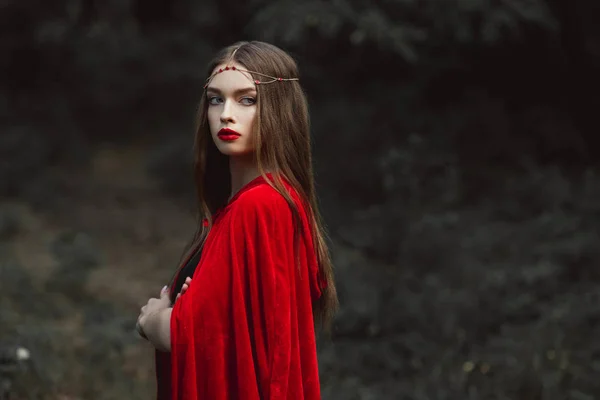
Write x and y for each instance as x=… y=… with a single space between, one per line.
x=228 y=134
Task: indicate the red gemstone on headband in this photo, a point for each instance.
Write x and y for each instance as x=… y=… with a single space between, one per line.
x=279 y=79
x=220 y=70
x=257 y=81
x=233 y=68
x=226 y=68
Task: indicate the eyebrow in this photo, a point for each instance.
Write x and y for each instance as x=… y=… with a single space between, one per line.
x=236 y=92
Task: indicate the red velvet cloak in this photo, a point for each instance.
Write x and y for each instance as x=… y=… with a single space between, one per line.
x=244 y=329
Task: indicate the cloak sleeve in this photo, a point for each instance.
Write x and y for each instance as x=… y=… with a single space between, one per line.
x=244 y=329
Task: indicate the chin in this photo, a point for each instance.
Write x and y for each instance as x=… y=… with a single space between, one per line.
x=232 y=151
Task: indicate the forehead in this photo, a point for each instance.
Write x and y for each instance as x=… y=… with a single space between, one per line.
x=231 y=79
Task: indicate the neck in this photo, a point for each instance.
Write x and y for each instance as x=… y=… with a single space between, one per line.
x=243 y=171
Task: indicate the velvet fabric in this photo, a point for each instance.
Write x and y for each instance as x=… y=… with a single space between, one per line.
x=244 y=329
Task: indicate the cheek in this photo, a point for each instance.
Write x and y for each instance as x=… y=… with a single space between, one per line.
x=249 y=117
x=213 y=119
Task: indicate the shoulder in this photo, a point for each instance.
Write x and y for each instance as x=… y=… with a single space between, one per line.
x=262 y=200
x=261 y=195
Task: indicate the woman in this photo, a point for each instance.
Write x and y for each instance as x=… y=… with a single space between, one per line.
x=238 y=320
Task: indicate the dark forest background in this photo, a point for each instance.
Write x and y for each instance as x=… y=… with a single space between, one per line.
x=456 y=150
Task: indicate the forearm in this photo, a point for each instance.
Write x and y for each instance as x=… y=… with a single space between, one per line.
x=158 y=329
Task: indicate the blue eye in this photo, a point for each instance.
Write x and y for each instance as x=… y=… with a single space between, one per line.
x=248 y=101
x=214 y=100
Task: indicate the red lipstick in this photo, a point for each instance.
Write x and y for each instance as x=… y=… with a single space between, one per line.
x=228 y=135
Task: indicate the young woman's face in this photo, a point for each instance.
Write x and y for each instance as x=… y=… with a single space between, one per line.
x=231 y=97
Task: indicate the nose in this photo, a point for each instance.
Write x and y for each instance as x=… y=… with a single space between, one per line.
x=227 y=112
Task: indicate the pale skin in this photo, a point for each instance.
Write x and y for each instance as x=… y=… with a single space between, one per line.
x=155 y=318
x=231 y=97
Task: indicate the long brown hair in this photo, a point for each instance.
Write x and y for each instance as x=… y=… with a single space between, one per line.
x=283 y=148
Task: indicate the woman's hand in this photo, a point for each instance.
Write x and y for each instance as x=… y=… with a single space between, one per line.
x=184 y=288
x=156 y=305
x=152 y=307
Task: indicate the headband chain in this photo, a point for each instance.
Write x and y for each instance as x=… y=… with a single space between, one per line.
x=233 y=68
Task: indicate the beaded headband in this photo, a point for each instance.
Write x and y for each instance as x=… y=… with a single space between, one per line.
x=258 y=82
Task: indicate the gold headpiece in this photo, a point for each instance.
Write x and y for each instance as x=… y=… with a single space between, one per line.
x=258 y=82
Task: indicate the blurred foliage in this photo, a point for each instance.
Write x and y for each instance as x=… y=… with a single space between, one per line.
x=106 y=57
x=486 y=82
x=455 y=140
x=479 y=305
x=490 y=301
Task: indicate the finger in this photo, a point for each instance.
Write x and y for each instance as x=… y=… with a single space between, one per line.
x=188 y=280
x=140 y=331
x=164 y=290
x=178 y=296
x=184 y=287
